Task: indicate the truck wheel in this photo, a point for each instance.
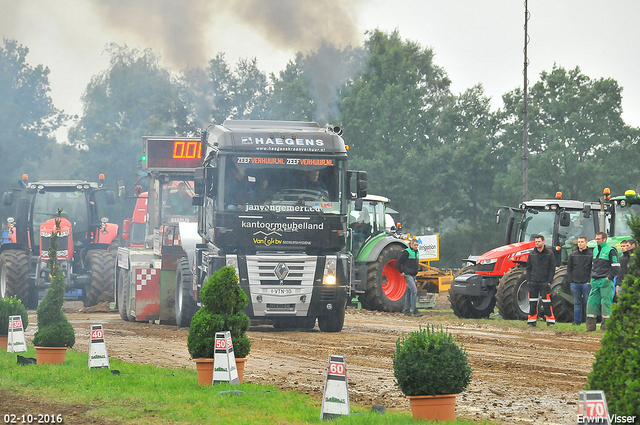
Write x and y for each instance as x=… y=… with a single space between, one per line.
x=102 y=266
x=385 y=285
x=186 y=306
x=122 y=288
x=513 y=295
x=561 y=297
x=468 y=307
x=14 y=277
x=334 y=321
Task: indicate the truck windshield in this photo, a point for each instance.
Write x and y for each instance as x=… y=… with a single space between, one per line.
x=73 y=204
x=282 y=184
x=622 y=213
x=176 y=201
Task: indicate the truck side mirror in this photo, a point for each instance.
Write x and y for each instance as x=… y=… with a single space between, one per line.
x=199 y=182
x=357 y=205
x=362 y=184
x=7 y=198
x=565 y=219
x=111 y=197
x=122 y=189
x=197 y=200
x=586 y=211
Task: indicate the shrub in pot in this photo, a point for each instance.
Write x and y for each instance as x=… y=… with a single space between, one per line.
x=430 y=367
x=11 y=306
x=223 y=301
x=55 y=333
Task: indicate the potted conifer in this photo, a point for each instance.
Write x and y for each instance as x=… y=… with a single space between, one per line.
x=55 y=334
x=431 y=370
x=11 y=306
x=223 y=301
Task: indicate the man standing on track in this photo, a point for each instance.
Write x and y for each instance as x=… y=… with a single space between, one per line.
x=408 y=264
x=603 y=269
x=541 y=267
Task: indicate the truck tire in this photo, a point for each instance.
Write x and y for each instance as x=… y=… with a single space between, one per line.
x=561 y=298
x=333 y=322
x=14 y=277
x=185 y=305
x=102 y=266
x=122 y=288
x=513 y=295
x=385 y=285
x=471 y=307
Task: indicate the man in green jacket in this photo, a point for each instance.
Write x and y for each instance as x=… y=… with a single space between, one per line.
x=603 y=269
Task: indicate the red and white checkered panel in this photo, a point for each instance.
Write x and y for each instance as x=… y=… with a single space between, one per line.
x=147 y=294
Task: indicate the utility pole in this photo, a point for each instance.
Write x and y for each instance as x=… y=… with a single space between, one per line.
x=525 y=127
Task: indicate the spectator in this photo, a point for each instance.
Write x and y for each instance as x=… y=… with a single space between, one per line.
x=604 y=268
x=541 y=267
x=408 y=265
x=627 y=247
x=579 y=276
x=181 y=201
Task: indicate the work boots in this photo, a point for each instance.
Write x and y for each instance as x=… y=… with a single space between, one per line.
x=591 y=324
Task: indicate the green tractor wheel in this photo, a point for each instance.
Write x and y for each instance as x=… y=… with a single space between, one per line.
x=385 y=285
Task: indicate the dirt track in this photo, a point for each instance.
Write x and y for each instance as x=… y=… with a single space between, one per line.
x=519 y=375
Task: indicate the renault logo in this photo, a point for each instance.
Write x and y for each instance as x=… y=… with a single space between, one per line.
x=281 y=271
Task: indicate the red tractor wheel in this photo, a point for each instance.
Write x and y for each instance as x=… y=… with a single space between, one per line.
x=393 y=284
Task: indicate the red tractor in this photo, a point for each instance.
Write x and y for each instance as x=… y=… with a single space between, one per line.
x=497 y=277
x=85 y=241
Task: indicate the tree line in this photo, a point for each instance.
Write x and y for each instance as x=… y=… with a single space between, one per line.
x=446 y=160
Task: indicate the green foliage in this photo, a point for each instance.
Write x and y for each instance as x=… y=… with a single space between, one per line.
x=223 y=302
x=12 y=306
x=27 y=115
x=616 y=370
x=429 y=362
x=54 y=330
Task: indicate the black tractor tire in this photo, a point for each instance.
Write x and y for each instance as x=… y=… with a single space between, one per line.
x=185 y=305
x=374 y=297
x=560 y=291
x=513 y=295
x=102 y=265
x=14 y=277
x=471 y=307
x=334 y=321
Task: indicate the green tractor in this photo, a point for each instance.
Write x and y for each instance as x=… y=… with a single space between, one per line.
x=376 y=243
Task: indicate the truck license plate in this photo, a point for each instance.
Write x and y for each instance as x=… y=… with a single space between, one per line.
x=281 y=291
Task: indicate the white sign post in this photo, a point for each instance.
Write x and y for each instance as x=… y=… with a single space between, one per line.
x=15 y=337
x=335 y=400
x=98 y=356
x=428 y=247
x=592 y=407
x=224 y=360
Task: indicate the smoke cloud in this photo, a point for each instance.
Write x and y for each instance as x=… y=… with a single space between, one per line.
x=180 y=26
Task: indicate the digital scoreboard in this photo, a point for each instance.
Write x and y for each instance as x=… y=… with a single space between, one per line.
x=168 y=154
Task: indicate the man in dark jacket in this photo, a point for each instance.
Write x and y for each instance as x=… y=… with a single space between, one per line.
x=627 y=249
x=579 y=275
x=408 y=265
x=541 y=267
x=604 y=268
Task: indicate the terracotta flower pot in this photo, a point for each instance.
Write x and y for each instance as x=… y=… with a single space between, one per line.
x=205 y=371
x=439 y=408
x=240 y=362
x=3 y=341
x=50 y=355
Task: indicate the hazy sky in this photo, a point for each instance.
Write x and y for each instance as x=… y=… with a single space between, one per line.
x=475 y=41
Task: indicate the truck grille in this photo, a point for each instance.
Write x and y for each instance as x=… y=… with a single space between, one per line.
x=301 y=269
